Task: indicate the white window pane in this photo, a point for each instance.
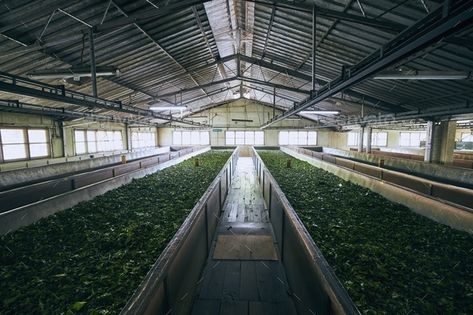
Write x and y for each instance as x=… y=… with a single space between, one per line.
x=38 y=150
x=423 y=136
x=195 y=138
x=302 y=138
x=259 y=137
x=249 y=138
x=37 y=136
x=204 y=138
x=80 y=148
x=404 y=139
x=352 y=139
x=12 y=136
x=91 y=146
x=177 y=138
x=117 y=136
x=14 y=151
x=283 y=138
x=101 y=136
x=79 y=136
x=312 y=138
x=90 y=136
x=293 y=137
x=240 y=137
x=229 y=138
x=186 y=138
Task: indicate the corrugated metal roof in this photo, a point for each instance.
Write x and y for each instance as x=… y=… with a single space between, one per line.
x=172 y=47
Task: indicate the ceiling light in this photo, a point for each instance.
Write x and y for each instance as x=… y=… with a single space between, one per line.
x=423 y=75
x=319 y=112
x=75 y=73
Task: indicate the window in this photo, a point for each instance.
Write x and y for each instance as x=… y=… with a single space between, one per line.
x=143 y=139
x=91 y=141
x=411 y=139
x=23 y=143
x=244 y=138
x=352 y=139
x=297 y=138
x=466 y=137
x=378 y=139
x=191 y=138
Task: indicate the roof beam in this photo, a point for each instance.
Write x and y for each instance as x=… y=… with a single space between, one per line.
x=425 y=32
x=14 y=106
x=333 y=14
x=158 y=45
x=26 y=87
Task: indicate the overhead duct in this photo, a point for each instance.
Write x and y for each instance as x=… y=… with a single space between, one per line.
x=75 y=73
x=424 y=75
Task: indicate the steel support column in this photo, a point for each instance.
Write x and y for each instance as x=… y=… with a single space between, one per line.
x=93 y=68
x=369 y=132
x=429 y=141
x=314 y=45
x=360 y=138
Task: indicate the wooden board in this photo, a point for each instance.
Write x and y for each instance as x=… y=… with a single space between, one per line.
x=245 y=247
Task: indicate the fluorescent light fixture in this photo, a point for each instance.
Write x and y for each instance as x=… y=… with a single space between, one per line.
x=75 y=73
x=236 y=95
x=319 y=112
x=423 y=75
x=171 y=108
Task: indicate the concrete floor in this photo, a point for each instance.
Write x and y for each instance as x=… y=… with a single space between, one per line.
x=239 y=284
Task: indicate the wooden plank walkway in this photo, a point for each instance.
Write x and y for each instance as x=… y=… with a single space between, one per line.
x=243 y=286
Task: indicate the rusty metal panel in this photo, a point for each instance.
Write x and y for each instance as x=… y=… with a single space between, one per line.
x=186 y=267
x=329 y=158
x=149 y=161
x=224 y=185
x=126 y=168
x=417 y=184
x=92 y=177
x=318 y=155
x=301 y=273
x=25 y=195
x=213 y=213
x=266 y=188
x=461 y=196
x=164 y=158
x=277 y=218
x=345 y=163
x=368 y=170
x=463 y=163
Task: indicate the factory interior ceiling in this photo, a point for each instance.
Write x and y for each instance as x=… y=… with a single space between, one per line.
x=411 y=59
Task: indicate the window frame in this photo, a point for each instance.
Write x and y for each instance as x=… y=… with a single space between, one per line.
x=191 y=133
x=95 y=131
x=26 y=144
x=410 y=145
x=244 y=139
x=294 y=137
x=141 y=140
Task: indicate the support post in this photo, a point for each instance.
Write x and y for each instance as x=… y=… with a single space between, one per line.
x=93 y=69
x=429 y=140
x=443 y=142
x=360 y=139
x=314 y=44
x=274 y=101
x=369 y=132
